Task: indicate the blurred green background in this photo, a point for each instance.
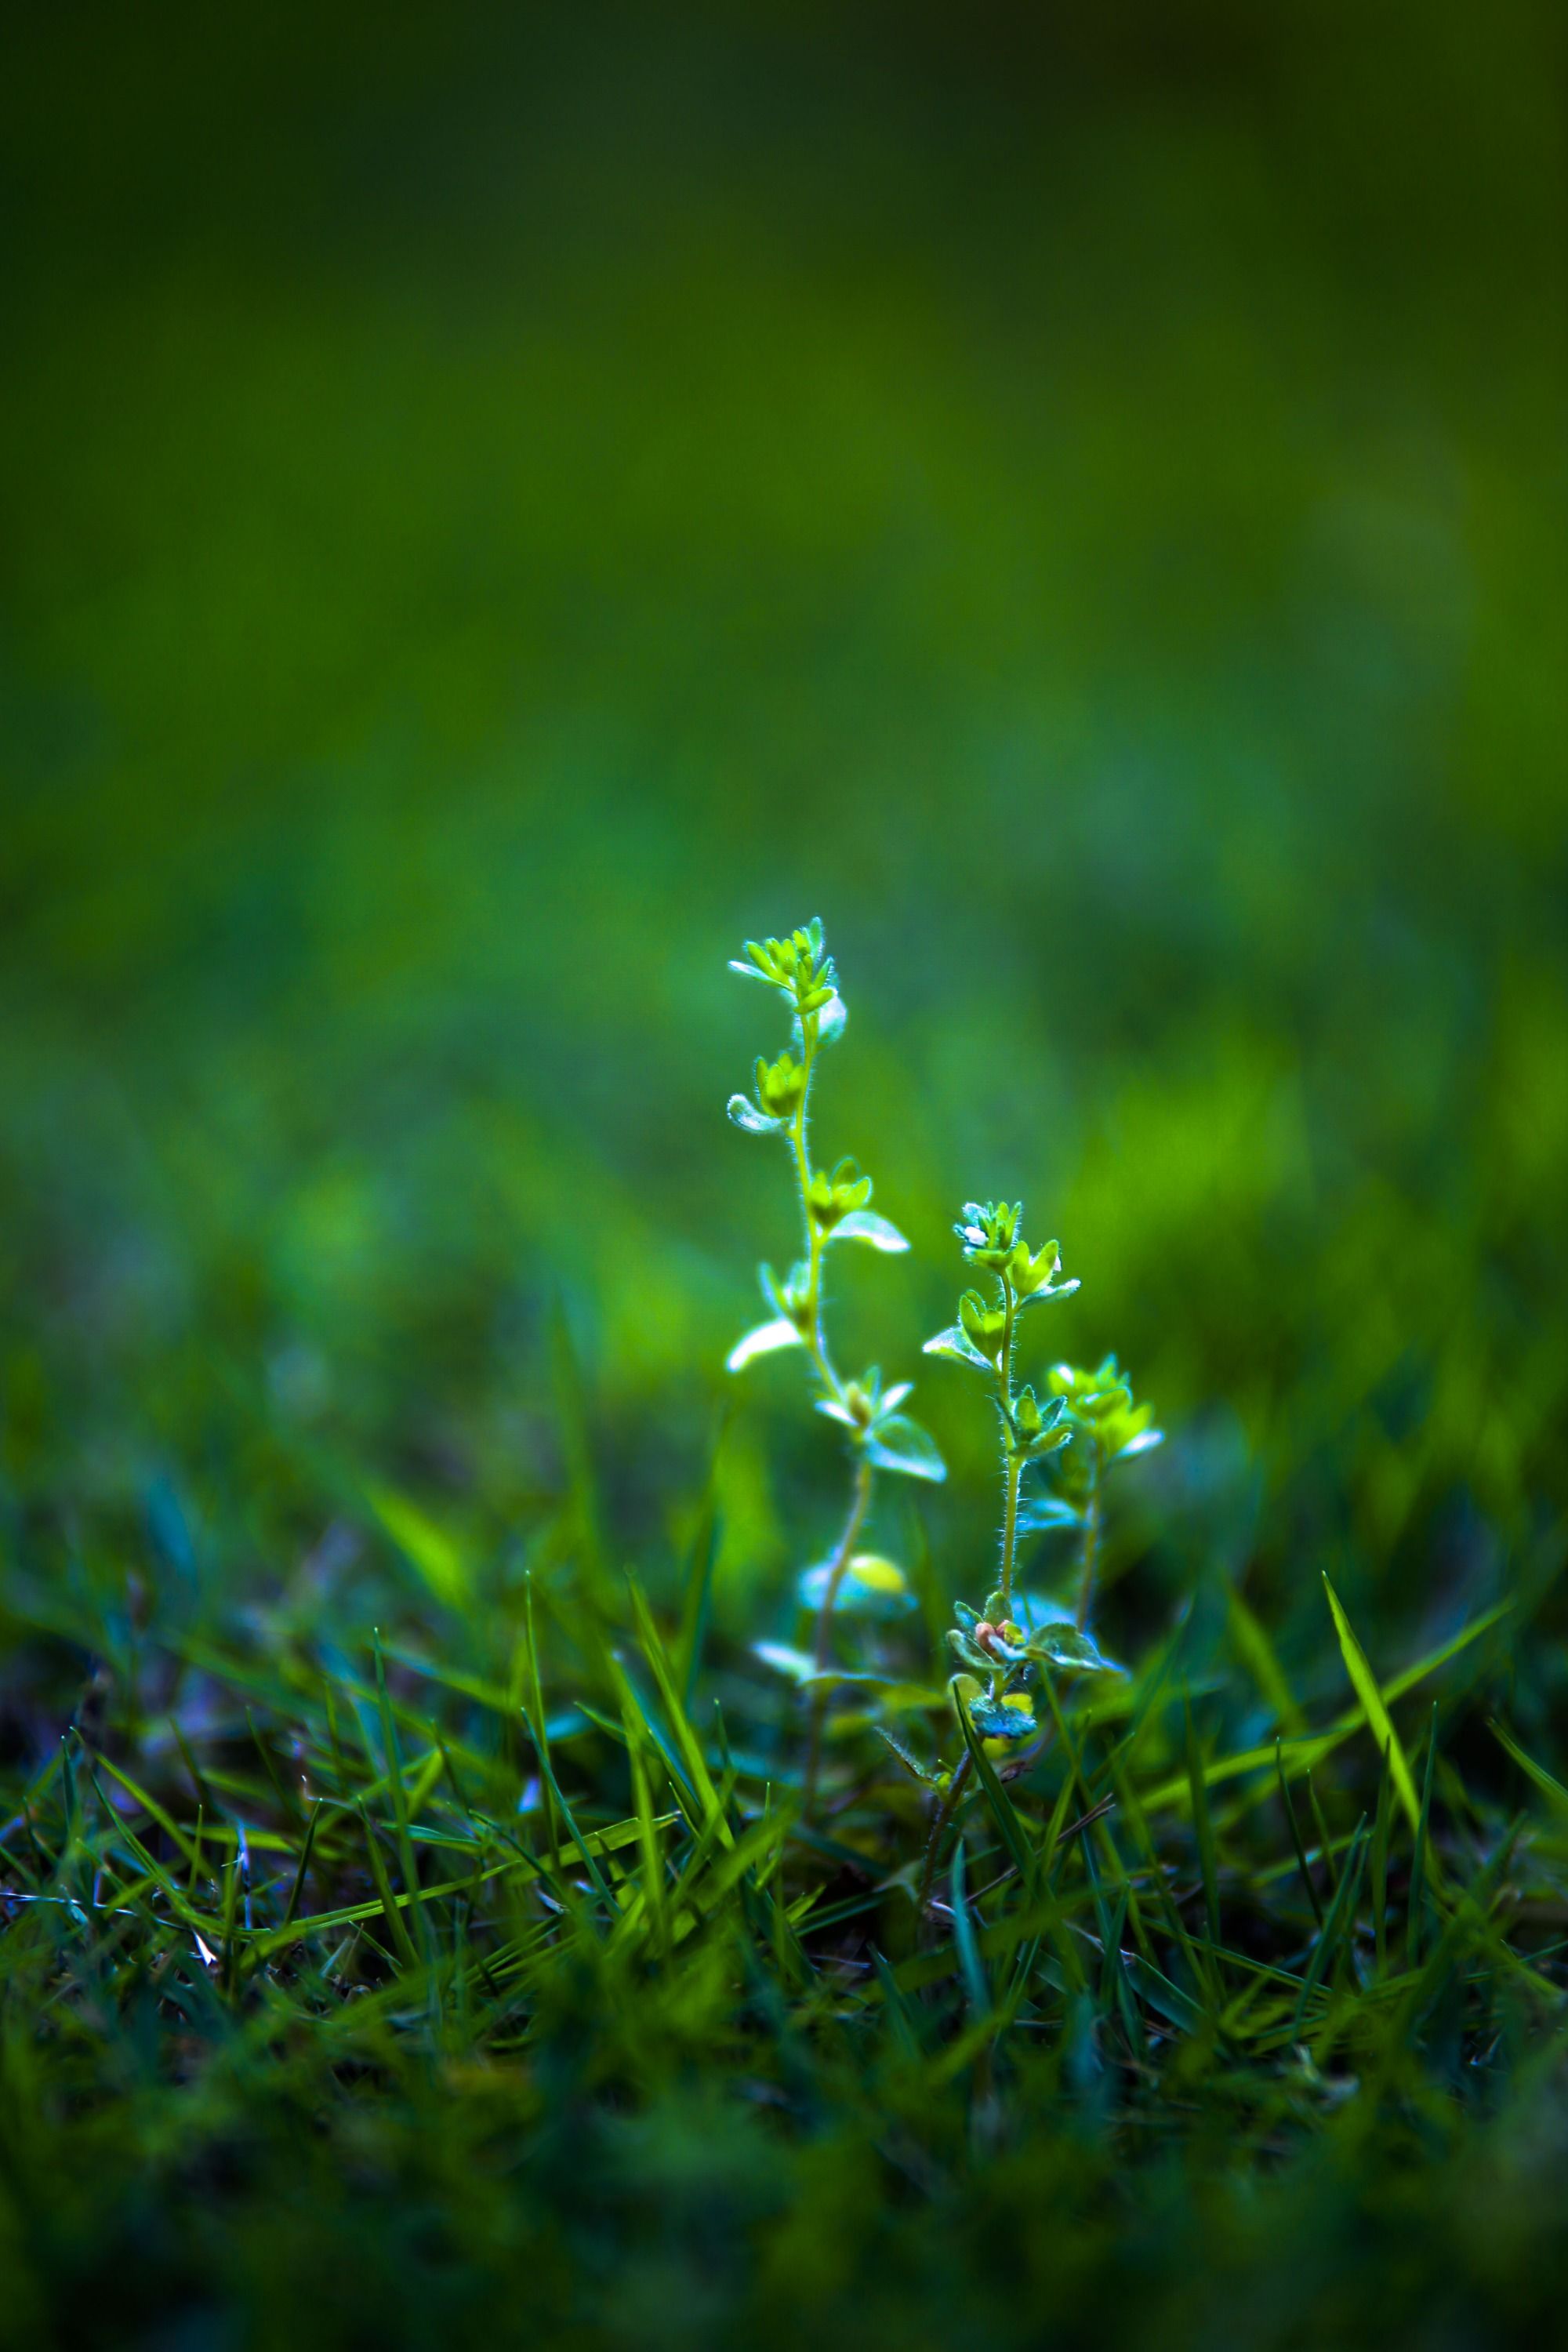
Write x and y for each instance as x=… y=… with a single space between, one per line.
x=496 y=508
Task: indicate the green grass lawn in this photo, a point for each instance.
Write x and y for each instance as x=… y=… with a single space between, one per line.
x=492 y=513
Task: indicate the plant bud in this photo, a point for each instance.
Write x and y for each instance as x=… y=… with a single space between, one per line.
x=780 y=1085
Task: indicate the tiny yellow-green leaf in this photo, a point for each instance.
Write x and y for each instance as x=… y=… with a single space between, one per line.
x=877 y=1574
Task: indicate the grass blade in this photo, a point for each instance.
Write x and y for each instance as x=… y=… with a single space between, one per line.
x=1363 y=1682
x=975 y=1984
x=1301 y=1851
x=700 y=1778
x=1333 y=1927
x=1418 y=1866
x=1543 y=1779
x=292 y=1913
x=1380 y=1866
x=1203 y=1824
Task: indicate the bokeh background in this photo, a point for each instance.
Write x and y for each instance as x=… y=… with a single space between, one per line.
x=495 y=508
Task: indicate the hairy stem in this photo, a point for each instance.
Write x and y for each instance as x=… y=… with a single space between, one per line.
x=816 y=1346
x=1013 y=1473
x=1012 y=1467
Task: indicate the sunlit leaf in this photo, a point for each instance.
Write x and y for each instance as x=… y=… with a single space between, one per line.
x=1144 y=1442
x=954 y=1343
x=794 y=1663
x=800 y=1666
x=865 y=1225
x=830 y=1020
x=764 y=1340
x=1052 y=1290
x=744 y=1113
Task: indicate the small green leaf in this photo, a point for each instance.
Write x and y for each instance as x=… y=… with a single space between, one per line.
x=744 y=1113
x=900 y=1444
x=801 y=1667
x=865 y=1225
x=794 y=1663
x=1144 y=1442
x=985 y=1328
x=954 y=1343
x=1064 y=1645
x=765 y=1340
x=1055 y=1290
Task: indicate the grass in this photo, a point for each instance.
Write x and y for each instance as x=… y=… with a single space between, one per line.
x=366 y=1986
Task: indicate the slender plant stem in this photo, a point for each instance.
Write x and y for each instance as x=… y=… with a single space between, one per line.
x=860 y=1503
x=1012 y=1465
x=1090 y=1550
x=1014 y=1472
x=816 y=1347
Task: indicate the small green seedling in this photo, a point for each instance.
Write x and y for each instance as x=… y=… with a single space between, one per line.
x=834 y=1205
x=1081 y=1424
